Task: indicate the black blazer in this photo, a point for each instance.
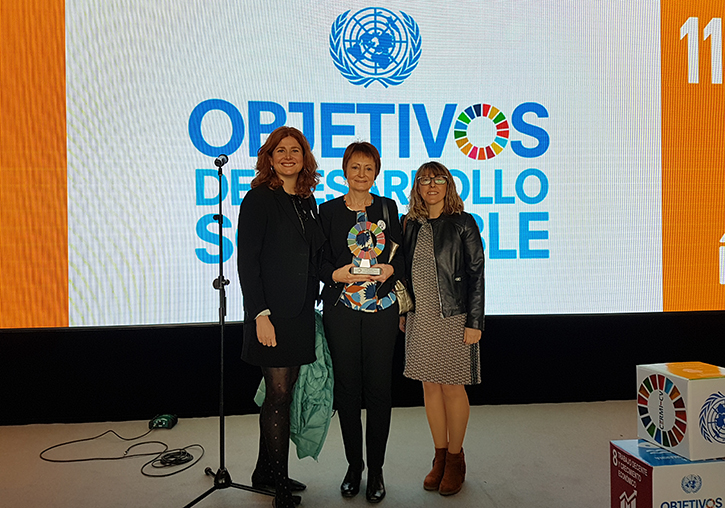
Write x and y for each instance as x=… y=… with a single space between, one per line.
x=337 y=219
x=273 y=252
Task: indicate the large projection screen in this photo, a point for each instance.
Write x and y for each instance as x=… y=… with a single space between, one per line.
x=586 y=137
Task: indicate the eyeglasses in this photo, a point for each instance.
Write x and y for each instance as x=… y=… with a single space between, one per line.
x=439 y=180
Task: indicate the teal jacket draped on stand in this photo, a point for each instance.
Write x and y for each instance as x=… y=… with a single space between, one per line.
x=311 y=409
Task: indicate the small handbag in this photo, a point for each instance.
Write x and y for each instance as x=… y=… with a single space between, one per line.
x=405 y=301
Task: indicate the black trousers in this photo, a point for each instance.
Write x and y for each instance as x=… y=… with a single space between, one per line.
x=361 y=346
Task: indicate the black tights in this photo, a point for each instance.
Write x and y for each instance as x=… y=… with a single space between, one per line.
x=274 y=430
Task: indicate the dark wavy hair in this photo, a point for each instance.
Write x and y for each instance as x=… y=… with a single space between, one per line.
x=307 y=179
x=452 y=202
x=364 y=148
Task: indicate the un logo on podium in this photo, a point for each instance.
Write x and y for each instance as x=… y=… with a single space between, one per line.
x=375 y=44
x=712 y=418
x=691 y=483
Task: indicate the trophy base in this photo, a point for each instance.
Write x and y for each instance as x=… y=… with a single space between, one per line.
x=366 y=270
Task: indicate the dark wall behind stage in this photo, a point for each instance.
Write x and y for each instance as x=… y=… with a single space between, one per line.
x=114 y=374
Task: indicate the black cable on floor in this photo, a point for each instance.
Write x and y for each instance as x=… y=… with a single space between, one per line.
x=86 y=459
x=172 y=458
x=162 y=459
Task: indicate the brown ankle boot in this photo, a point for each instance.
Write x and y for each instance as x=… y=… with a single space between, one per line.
x=433 y=480
x=455 y=474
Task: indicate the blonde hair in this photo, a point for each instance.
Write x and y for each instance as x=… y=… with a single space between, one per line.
x=452 y=202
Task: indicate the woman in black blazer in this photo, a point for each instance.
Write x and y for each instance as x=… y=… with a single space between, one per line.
x=279 y=241
x=361 y=313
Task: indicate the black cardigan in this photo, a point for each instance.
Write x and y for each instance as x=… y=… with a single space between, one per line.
x=337 y=219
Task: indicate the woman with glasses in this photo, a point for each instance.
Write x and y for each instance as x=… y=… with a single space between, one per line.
x=444 y=255
x=361 y=313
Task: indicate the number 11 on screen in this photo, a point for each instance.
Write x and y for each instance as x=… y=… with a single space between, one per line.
x=713 y=32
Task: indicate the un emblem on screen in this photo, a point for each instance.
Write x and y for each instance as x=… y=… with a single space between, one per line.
x=375 y=44
x=712 y=418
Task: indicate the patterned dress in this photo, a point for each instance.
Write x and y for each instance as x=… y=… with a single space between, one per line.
x=434 y=347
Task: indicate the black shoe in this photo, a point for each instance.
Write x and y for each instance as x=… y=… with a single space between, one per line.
x=375 y=491
x=295 y=499
x=351 y=484
x=268 y=484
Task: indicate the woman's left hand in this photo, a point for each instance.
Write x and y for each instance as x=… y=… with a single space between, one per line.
x=471 y=335
x=387 y=272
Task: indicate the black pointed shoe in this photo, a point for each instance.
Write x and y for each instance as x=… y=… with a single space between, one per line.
x=351 y=483
x=295 y=499
x=375 y=491
x=268 y=484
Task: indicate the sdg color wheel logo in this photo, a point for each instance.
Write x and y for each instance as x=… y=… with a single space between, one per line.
x=460 y=131
x=712 y=418
x=375 y=44
x=662 y=410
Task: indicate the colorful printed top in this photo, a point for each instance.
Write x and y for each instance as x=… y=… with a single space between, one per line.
x=366 y=242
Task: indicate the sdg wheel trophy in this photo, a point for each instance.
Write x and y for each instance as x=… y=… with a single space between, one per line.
x=366 y=241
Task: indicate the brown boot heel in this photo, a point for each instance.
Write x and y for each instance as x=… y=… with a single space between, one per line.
x=433 y=480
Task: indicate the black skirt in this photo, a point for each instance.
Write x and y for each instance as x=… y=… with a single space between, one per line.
x=295 y=336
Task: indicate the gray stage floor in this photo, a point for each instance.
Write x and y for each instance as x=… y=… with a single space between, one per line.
x=548 y=456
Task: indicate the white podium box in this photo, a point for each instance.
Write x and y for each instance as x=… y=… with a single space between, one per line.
x=682 y=408
x=644 y=475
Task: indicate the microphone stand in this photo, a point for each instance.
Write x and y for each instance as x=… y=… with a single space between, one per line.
x=222 y=479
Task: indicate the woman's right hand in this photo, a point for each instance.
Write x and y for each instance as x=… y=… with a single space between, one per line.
x=401 y=323
x=344 y=275
x=265 y=331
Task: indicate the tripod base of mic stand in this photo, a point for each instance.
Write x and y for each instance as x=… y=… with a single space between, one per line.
x=222 y=480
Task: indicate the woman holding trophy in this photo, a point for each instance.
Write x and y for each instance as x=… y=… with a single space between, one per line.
x=359 y=270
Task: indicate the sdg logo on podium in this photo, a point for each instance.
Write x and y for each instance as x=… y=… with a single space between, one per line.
x=682 y=408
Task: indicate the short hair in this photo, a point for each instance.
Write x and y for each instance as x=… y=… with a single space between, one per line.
x=452 y=202
x=307 y=179
x=362 y=147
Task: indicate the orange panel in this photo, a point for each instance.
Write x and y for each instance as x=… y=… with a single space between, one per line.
x=694 y=370
x=693 y=171
x=33 y=182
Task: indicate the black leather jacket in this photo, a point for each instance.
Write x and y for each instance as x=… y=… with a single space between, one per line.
x=459 y=261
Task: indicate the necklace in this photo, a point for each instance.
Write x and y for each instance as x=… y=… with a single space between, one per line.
x=354 y=206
